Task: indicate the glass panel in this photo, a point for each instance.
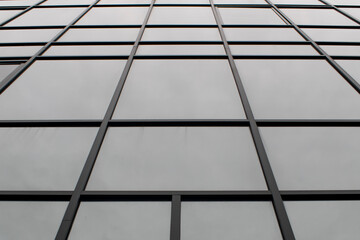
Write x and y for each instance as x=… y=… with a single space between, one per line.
x=180 y=50
x=7 y=14
x=53 y=16
x=62 y=90
x=228 y=221
x=249 y=16
x=179 y=89
x=125 y=2
x=30 y=220
x=294 y=89
x=177 y=158
x=347 y=35
x=344 y=2
x=305 y=158
x=240 y=1
x=183 y=1
x=272 y=50
x=352 y=67
x=355 y=12
x=34 y=35
x=97 y=34
x=331 y=220
x=342 y=50
x=68 y=2
x=122 y=220
x=182 y=15
x=262 y=34
x=89 y=50
x=18 y=3
x=114 y=16
x=317 y=17
x=5 y=70
x=19 y=51
x=181 y=34
x=43 y=158
x=307 y=2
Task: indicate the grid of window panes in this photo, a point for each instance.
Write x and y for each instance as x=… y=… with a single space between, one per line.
x=179 y=119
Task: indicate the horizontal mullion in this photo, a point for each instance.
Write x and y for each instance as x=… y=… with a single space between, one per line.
x=180 y=42
x=307 y=123
x=239 y=5
x=105 y=26
x=279 y=57
x=82 y=57
x=35 y=195
x=320 y=195
x=10 y=44
x=269 y=42
x=93 y=43
x=50 y=123
x=182 y=5
x=255 y=26
x=180 y=57
x=181 y=122
x=32 y=27
x=331 y=26
x=303 y=6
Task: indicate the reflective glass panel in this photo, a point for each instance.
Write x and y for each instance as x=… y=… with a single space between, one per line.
x=181 y=34
x=183 y=1
x=228 y=221
x=5 y=70
x=98 y=34
x=346 y=35
x=272 y=50
x=62 y=90
x=89 y=50
x=314 y=158
x=177 y=158
x=18 y=3
x=122 y=220
x=68 y=2
x=179 y=89
x=14 y=51
x=352 y=67
x=294 y=89
x=240 y=1
x=249 y=16
x=262 y=34
x=347 y=50
x=344 y=2
x=180 y=50
x=125 y=2
x=7 y=14
x=43 y=158
x=33 y=35
x=355 y=12
x=307 y=2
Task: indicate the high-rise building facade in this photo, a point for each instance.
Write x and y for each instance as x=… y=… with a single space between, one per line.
x=180 y=119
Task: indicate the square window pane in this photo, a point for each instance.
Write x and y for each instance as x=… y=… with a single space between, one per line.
x=346 y=50
x=179 y=89
x=109 y=50
x=228 y=221
x=262 y=34
x=239 y=2
x=310 y=158
x=317 y=17
x=14 y=51
x=272 y=50
x=114 y=16
x=291 y=89
x=181 y=50
x=7 y=14
x=352 y=67
x=30 y=220
x=101 y=35
x=181 y=34
x=53 y=16
x=5 y=70
x=122 y=220
x=33 y=35
x=125 y=2
x=177 y=158
x=182 y=15
x=249 y=16
x=43 y=158
x=331 y=220
x=62 y=90
x=341 y=35
x=68 y=2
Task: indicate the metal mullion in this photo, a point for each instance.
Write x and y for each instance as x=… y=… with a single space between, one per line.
x=319 y=195
x=308 y=123
x=49 y=123
x=175 y=224
x=277 y=201
x=178 y=122
x=74 y=203
x=342 y=12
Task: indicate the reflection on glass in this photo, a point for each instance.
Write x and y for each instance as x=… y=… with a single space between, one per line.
x=181 y=34
x=14 y=51
x=345 y=50
x=344 y=2
x=180 y=50
x=262 y=34
x=5 y=70
x=249 y=16
x=89 y=50
x=125 y=2
x=351 y=67
x=98 y=34
x=305 y=2
x=240 y=2
x=272 y=50
x=122 y=220
x=33 y=35
x=68 y=2
x=182 y=1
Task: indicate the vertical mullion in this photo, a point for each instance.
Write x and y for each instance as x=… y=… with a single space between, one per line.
x=175 y=217
x=74 y=203
x=278 y=203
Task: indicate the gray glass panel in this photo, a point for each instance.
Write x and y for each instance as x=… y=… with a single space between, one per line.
x=68 y=2
x=14 y=51
x=43 y=158
x=355 y=12
x=122 y=220
x=294 y=89
x=272 y=50
x=317 y=17
x=342 y=50
x=89 y=50
x=262 y=34
x=352 y=67
x=331 y=220
x=33 y=35
x=125 y=2
x=179 y=89
x=177 y=158
x=18 y=3
x=305 y=158
x=30 y=220
x=53 y=16
x=114 y=16
x=240 y=1
x=181 y=50
x=344 y=2
x=181 y=34
x=308 y=2
x=97 y=34
x=62 y=90
x=183 y=1
x=5 y=70
x=7 y=14
x=249 y=16
x=182 y=15
x=346 y=35
x=228 y=221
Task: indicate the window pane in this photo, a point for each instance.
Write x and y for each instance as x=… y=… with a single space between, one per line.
x=181 y=34
x=34 y=35
x=98 y=34
x=181 y=50
x=182 y=15
x=177 y=158
x=228 y=221
x=240 y=1
x=43 y=158
x=352 y=67
x=355 y=12
x=272 y=50
x=341 y=50
x=19 y=51
x=332 y=220
x=262 y=34
x=53 y=16
x=5 y=70
x=179 y=89
x=30 y=220
x=347 y=35
x=344 y=2
x=317 y=17
x=18 y=3
x=89 y=50
x=68 y=2
x=114 y=16
x=122 y=220
x=125 y=2
x=7 y=14
x=249 y=16
x=294 y=89
x=305 y=158
x=62 y=90
x=312 y=2
x=183 y=1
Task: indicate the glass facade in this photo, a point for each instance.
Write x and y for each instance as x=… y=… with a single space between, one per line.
x=180 y=119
